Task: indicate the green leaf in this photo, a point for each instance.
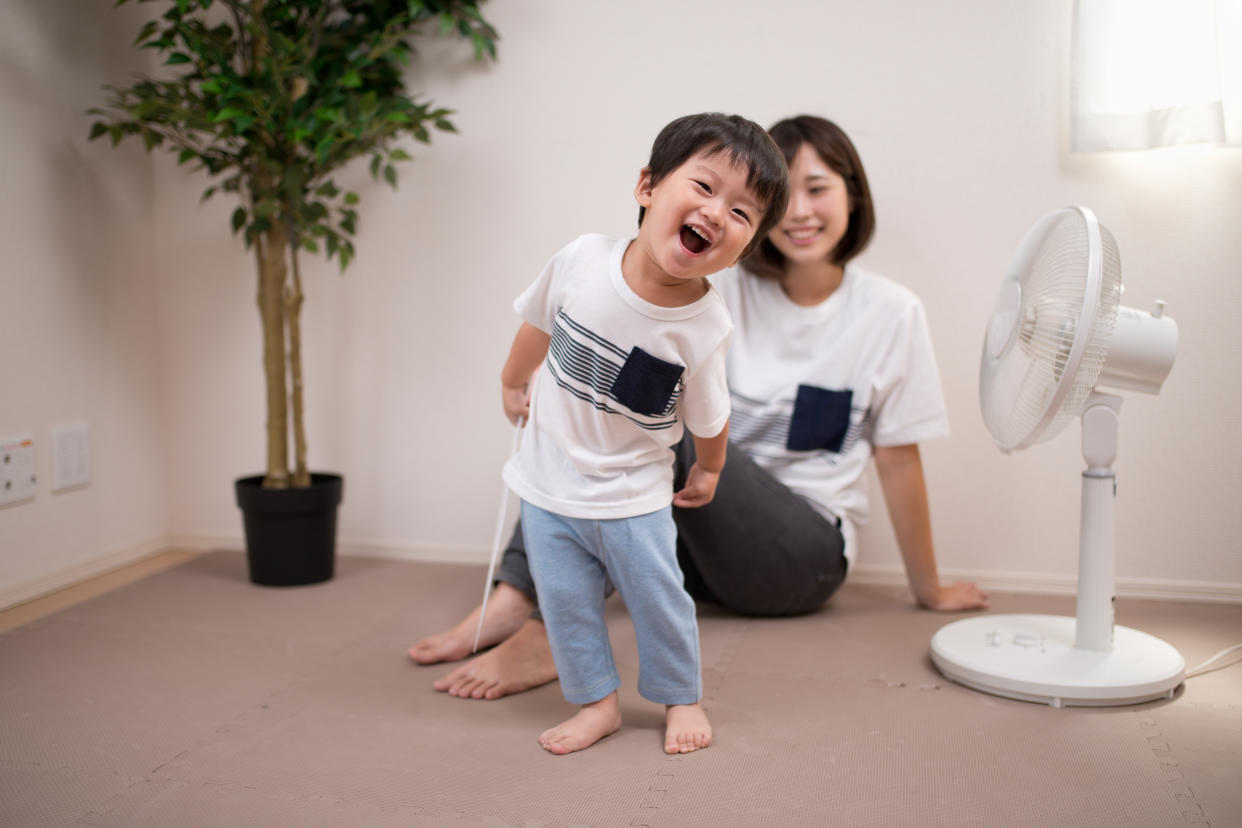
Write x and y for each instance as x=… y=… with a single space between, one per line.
x=226 y=113
x=239 y=218
x=400 y=155
x=323 y=148
x=351 y=80
x=390 y=175
x=97 y=129
x=149 y=29
x=327 y=114
x=186 y=155
x=177 y=58
x=351 y=199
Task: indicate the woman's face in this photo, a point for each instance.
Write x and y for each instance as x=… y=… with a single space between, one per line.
x=818 y=213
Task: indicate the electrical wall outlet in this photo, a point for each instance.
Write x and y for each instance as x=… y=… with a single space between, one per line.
x=17 y=469
x=71 y=456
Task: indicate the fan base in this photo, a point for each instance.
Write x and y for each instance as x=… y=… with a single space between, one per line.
x=1033 y=658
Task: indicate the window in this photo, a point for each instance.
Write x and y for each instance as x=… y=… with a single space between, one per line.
x=1155 y=73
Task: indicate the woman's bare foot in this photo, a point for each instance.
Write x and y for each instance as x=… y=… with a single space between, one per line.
x=592 y=723
x=520 y=662
x=506 y=610
x=687 y=728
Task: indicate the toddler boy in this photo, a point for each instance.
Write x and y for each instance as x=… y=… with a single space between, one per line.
x=632 y=340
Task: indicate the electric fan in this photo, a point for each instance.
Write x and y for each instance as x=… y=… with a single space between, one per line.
x=1057 y=334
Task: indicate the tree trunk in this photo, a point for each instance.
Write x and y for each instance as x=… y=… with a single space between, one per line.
x=270 y=250
x=293 y=316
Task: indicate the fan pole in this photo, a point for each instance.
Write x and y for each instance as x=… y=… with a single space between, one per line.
x=1096 y=542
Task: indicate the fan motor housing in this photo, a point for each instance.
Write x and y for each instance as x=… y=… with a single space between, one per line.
x=1141 y=350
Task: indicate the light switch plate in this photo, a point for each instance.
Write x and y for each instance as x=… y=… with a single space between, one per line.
x=71 y=456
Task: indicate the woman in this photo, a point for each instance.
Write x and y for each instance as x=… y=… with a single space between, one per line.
x=830 y=366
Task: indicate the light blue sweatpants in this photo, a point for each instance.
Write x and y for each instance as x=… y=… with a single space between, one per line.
x=570 y=559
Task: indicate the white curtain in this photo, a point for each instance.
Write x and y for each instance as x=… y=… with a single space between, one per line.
x=1154 y=73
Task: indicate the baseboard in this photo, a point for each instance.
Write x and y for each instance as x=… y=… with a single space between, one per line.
x=11 y=596
x=1029 y=582
x=360 y=547
x=880 y=575
x=426 y=552
x=1054 y=584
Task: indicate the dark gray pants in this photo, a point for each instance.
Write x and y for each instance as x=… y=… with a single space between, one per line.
x=756 y=549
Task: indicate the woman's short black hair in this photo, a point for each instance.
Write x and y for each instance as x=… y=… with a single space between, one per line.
x=746 y=142
x=837 y=151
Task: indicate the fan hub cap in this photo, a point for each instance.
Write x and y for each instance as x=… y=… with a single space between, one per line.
x=1003 y=327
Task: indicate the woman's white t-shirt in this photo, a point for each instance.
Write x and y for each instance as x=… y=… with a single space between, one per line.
x=814 y=388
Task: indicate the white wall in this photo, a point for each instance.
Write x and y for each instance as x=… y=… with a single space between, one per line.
x=78 y=333
x=959 y=110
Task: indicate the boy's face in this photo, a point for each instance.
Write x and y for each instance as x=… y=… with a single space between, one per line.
x=699 y=218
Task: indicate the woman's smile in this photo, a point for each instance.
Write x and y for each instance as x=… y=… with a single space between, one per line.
x=803 y=236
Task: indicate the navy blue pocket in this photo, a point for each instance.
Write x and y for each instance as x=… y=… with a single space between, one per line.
x=820 y=419
x=645 y=383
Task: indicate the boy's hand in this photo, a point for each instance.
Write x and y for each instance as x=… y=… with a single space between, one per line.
x=516 y=402
x=529 y=348
x=699 y=490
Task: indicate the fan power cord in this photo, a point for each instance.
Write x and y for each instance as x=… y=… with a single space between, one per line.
x=1206 y=667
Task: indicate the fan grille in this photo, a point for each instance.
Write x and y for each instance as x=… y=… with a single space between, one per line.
x=1021 y=384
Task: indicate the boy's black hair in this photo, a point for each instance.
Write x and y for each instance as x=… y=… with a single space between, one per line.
x=747 y=143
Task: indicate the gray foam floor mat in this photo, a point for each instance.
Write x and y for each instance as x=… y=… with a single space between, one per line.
x=195 y=698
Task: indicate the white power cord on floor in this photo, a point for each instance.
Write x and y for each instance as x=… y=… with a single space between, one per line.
x=496 y=538
x=1206 y=668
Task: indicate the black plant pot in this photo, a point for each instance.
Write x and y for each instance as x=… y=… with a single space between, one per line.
x=290 y=533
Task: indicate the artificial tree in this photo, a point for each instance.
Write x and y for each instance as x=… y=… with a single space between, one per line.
x=270 y=98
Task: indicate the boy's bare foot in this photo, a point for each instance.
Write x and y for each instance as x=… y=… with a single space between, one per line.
x=592 y=723
x=520 y=662
x=687 y=728
x=506 y=610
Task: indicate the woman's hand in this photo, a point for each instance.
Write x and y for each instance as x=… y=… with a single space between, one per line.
x=955 y=597
x=900 y=470
x=699 y=490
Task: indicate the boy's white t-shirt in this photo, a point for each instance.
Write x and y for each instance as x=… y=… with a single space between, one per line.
x=604 y=416
x=814 y=388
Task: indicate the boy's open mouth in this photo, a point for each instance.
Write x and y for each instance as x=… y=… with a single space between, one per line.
x=693 y=240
